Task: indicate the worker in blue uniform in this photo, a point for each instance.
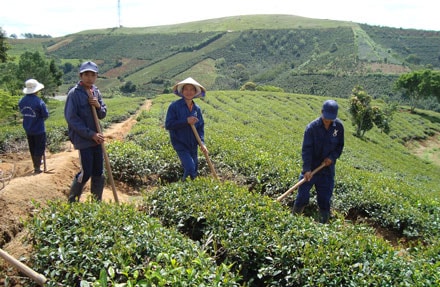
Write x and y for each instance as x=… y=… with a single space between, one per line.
x=34 y=113
x=181 y=114
x=322 y=144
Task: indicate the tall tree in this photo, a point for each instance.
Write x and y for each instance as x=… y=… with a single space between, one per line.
x=419 y=85
x=33 y=65
x=4 y=46
x=8 y=104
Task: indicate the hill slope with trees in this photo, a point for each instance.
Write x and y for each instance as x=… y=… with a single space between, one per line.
x=296 y=54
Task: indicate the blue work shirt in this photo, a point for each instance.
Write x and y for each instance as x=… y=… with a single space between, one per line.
x=34 y=113
x=320 y=143
x=79 y=116
x=181 y=133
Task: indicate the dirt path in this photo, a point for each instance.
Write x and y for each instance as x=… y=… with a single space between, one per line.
x=18 y=195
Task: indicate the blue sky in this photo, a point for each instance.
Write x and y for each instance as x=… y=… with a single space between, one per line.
x=59 y=18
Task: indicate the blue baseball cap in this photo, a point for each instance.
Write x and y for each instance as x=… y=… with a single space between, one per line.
x=88 y=66
x=330 y=110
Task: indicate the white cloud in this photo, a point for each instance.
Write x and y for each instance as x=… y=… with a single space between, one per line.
x=58 y=18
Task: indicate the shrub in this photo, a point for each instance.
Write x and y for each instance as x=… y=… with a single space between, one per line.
x=270 y=247
x=129 y=161
x=99 y=244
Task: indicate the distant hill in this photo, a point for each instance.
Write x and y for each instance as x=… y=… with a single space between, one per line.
x=297 y=54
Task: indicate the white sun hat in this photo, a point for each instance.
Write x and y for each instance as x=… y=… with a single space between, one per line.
x=200 y=90
x=32 y=86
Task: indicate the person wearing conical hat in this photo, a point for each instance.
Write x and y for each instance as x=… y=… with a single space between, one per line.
x=34 y=113
x=181 y=114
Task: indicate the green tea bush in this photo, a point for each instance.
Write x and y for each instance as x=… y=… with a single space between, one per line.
x=255 y=138
x=129 y=162
x=271 y=247
x=99 y=244
x=391 y=203
x=12 y=139
x=56 y=137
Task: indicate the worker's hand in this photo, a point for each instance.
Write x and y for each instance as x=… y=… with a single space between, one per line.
x=94 y=102
x=98 y=138
x=327 y=161
x=192 y=120
x=204 y=149
x=308 y=176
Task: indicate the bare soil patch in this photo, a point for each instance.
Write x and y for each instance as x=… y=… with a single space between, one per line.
x=428 y=149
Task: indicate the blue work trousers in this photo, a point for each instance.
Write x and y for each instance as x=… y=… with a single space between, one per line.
x=37 y=144
x=324 y=184
x=91 y=163
x=189 y=162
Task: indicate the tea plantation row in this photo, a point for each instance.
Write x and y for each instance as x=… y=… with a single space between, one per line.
x=254 y=140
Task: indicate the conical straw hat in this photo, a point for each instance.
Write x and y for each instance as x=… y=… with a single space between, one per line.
x=200 y=90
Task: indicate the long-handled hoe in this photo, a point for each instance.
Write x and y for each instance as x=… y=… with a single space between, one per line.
x=40 y=279
x=281 y=197
x=211 y=167
x=107 y=161
x=44 y=161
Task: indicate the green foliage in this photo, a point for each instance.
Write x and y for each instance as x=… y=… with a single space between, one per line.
x=419 y=85
x=129 y=162
x=248 y=86
x=363 y=115
x=12 y=139
x=308 y=56
x=254 y=140
x=8 y=79
x=8 y=105
x=128 y=87
x=267 y=88
x=122 y=247
x=404 y=44
x=33 y=65
x=270 y=247
x=4 y=46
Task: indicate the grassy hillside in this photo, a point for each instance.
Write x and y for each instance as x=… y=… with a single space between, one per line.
x=297 y=54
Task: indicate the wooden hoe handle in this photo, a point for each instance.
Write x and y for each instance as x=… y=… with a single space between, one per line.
x=40 y=279
x=281 y=197
x=106 y=159
x=211 y=167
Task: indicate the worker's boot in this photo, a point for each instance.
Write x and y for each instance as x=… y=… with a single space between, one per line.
x=297 y=209
x=75 y=190
x=36 y=160
x=97 y=187
x=324 y=216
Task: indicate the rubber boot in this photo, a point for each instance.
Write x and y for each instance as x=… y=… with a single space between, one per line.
x=75 y=190
x=97 y=186
x=297 y=210
x=36 y=160
x=324 y=216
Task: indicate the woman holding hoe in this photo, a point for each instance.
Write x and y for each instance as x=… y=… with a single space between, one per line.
x=181 y=115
